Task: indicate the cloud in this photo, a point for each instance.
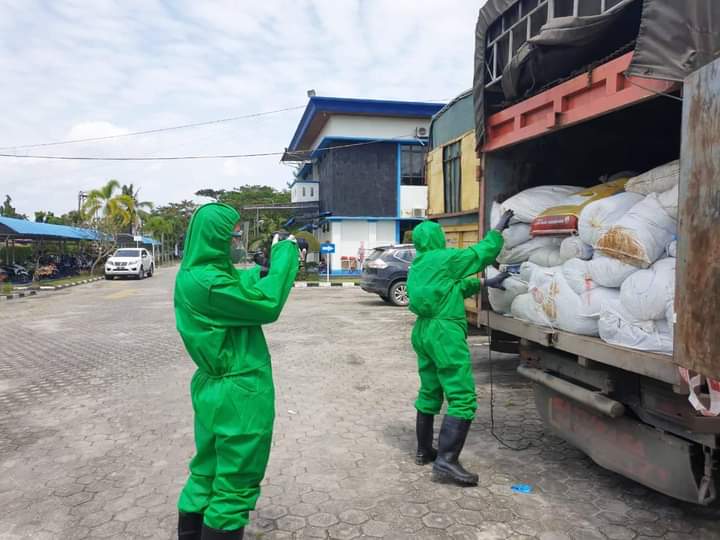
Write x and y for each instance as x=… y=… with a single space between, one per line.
x=77 y=69
x=88 y=130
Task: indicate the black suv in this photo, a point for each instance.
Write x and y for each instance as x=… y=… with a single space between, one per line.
x=385 y=273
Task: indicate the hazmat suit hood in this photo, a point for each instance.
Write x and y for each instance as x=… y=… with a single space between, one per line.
x=428 y=236
x=207 y=242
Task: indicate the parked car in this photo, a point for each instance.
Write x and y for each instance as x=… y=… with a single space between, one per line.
x=385 y=273
x=136 y=262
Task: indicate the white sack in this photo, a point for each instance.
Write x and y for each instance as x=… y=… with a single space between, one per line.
x=655 y=180
x=546 y=256
x=522 y=252
x=669 y=201
x=526 y=271
x=559 y=303
x=516 y=234
x=672 y=249
x=670 y=317
x=525 y=308
x=609 y=272
x=496 y=212
x=577 y=275
x=618 y=327
x=529 y=203
x=502 y=300
x=573 y=247
x=640 y=237
x=597 y=217
x=592 y=301
x=646 y=293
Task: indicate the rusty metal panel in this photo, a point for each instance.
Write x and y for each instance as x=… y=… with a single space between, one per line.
x=697 y=298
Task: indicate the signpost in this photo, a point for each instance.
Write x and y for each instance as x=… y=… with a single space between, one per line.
x=327 y=248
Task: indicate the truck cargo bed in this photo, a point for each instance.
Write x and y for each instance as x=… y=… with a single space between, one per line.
x=658 y=366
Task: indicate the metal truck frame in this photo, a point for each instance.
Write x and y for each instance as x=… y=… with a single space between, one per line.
x=627 y=409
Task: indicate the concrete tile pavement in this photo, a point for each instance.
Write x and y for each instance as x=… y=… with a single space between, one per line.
x=95 y=432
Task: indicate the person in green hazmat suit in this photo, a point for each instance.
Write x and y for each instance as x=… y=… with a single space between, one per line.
x=219 y=311
x=438 y=282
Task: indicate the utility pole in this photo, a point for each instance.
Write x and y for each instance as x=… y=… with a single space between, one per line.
x=82 y=197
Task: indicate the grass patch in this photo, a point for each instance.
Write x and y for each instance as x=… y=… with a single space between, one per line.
x=62 y=281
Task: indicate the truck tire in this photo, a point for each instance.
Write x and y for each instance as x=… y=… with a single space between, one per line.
x=152 y=270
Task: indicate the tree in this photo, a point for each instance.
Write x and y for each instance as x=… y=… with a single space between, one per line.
x=158 y=225
x=109 y=214
x=177 y=216
x=47 y=217
x=140 y=208
x=266 y=221
x=8 y=210
x=211 y=193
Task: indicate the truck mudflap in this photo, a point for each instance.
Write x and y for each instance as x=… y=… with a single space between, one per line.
x=658 y=460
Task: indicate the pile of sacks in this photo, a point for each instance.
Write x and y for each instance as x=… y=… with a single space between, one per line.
x=615 y=279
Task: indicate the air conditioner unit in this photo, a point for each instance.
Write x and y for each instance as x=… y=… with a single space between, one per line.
x=418 y=212
x=421 y=132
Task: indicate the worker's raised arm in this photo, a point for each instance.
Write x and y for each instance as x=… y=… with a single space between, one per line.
x=252 y=300
x=471 y=260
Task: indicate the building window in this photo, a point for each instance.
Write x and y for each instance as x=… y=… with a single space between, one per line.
x=451 y=177
x=312 y=191
x=303 y=191
x=412 y=165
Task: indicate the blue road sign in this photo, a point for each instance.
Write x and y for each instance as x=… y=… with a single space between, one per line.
x=327 y=247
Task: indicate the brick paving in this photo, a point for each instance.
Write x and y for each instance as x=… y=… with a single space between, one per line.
x=95 y=432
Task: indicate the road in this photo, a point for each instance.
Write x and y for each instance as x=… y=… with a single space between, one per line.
x=96 y=431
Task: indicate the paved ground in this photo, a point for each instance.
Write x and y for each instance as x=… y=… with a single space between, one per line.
x=95 y=432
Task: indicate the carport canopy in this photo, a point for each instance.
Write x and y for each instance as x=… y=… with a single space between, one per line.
x=31 y=230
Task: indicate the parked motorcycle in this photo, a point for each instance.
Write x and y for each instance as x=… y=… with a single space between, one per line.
x=14 y=273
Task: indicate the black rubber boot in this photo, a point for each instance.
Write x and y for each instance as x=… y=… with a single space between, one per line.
x=189 y=526
x=218 y=534
x=447 y=466
x=424 y=430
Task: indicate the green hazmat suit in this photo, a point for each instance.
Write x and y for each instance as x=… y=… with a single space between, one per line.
x=438 y=282
x=219 y=311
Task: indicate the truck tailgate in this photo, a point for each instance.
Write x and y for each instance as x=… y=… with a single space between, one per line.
x=657 y=366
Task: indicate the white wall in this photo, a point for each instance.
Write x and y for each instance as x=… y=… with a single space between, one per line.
x=412 y=197
x=312 y=192
x=370 y=127
x=353 y=236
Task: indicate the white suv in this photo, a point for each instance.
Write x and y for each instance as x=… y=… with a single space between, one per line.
x=130 y=262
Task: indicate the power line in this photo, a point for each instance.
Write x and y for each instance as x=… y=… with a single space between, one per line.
x=157 y=130
x=138 y=158
x=300 y=154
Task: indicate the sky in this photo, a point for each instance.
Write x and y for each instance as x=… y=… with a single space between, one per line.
x=79 y=69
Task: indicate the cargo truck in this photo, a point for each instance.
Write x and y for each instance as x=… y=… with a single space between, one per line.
x=566 y=91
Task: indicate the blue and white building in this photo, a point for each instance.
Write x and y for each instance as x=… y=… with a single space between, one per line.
x=364 y=161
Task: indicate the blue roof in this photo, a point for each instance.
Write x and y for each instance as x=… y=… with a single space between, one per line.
x=370 y=107
x=22 y=227
x=32 y=229
x=150 y=241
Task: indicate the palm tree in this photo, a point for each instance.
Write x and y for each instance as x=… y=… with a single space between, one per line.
x=103 y=201
x=110 y=213
x=139 y=207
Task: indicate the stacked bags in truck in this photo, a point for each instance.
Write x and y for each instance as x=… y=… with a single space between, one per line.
x=614 y=277
x=644 y=238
